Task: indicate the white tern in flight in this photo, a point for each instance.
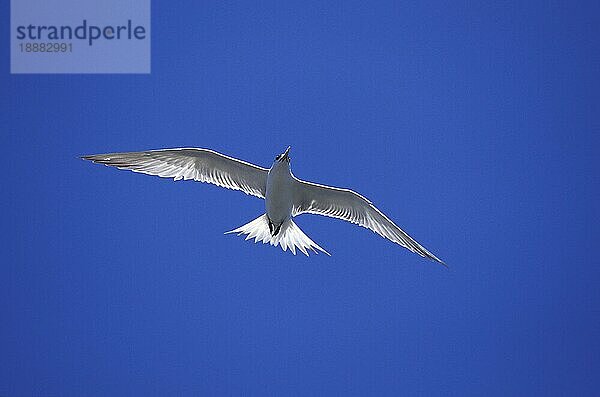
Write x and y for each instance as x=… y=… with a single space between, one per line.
x=285 y=195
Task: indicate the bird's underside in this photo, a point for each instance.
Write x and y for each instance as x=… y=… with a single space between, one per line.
x=206 y=165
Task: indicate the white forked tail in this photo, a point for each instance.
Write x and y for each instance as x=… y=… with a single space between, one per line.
x=289 y=236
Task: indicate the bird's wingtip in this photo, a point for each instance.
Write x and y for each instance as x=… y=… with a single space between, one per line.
x=441 y=262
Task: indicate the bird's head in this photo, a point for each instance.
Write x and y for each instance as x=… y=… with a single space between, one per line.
x=283 y=158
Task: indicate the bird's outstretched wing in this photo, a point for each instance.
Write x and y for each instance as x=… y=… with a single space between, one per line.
x=201 y=165
x=350 y=206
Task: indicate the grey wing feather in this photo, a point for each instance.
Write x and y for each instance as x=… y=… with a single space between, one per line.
x=201 y=165
x=350 y=206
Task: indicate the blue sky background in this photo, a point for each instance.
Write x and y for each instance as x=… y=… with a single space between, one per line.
x=474 y=126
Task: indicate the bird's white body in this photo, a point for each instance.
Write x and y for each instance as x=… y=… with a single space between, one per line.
x=285 y=196
x=279 y=198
